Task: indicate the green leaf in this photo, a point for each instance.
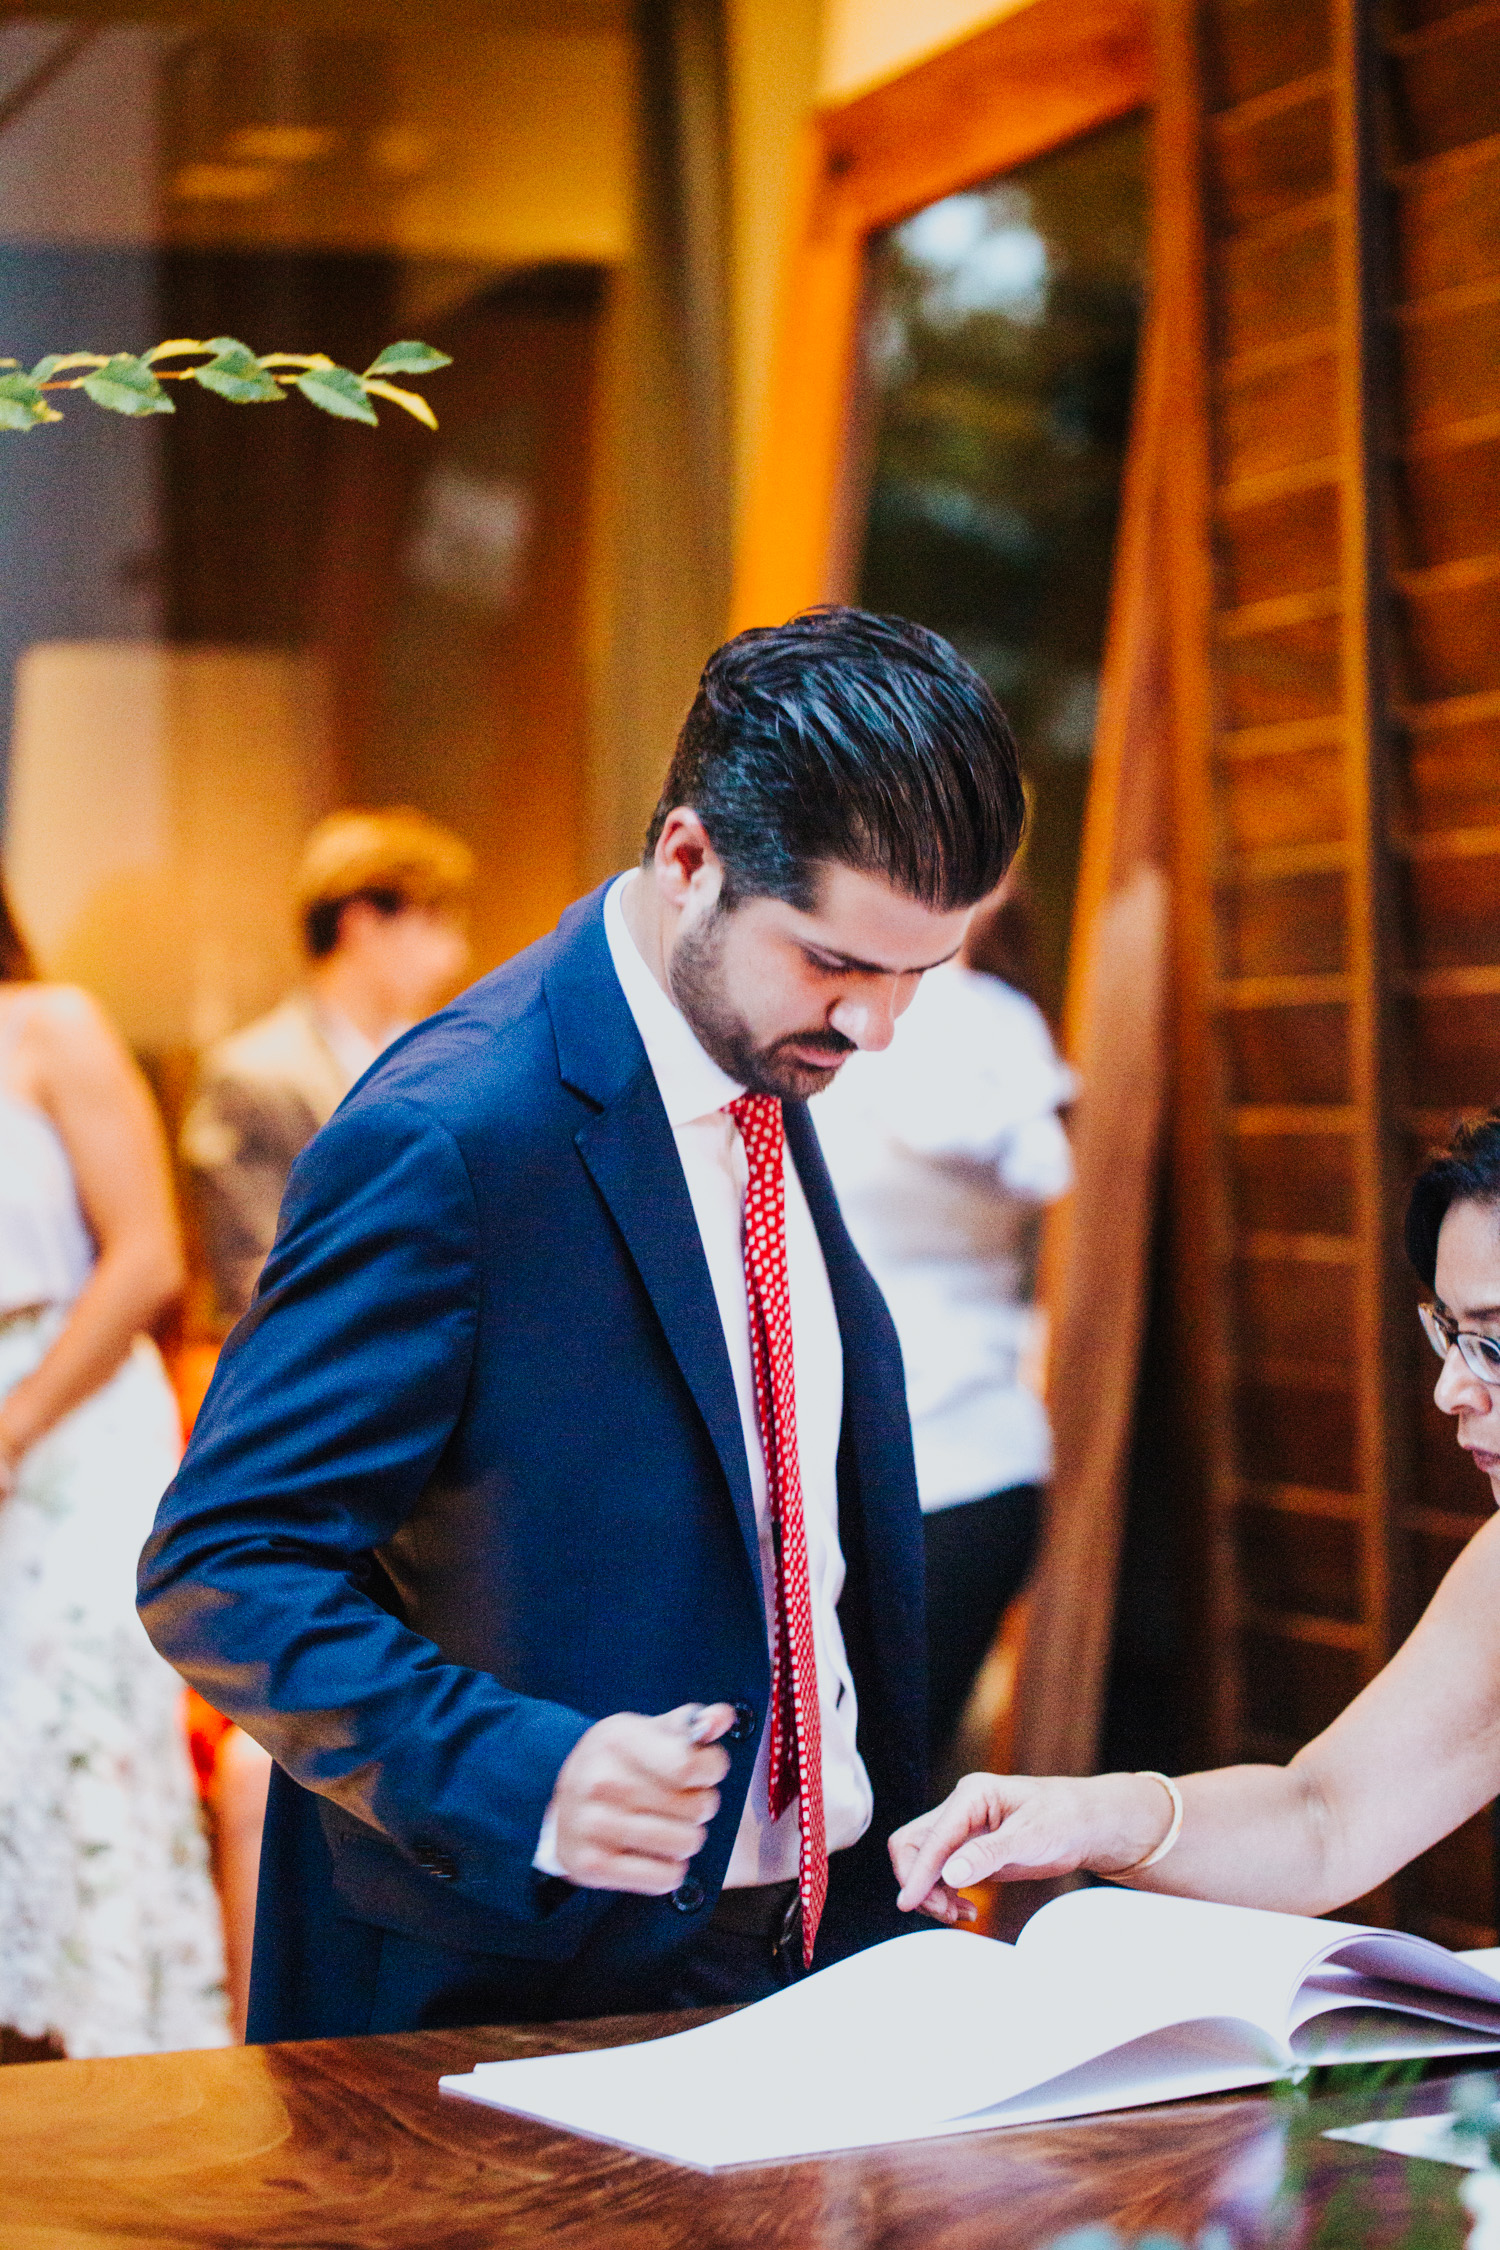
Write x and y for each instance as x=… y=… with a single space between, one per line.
x=46 y=367
x=337 y=391
x=237 y=374
x=408 y=359
x=22 y=405
x=410 y=400
x=126 y=385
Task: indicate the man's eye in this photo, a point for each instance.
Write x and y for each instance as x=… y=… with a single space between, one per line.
x=1489 y=1351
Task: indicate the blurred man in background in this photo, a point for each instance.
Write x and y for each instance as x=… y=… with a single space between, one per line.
x=380 y=897
x=944 y=1149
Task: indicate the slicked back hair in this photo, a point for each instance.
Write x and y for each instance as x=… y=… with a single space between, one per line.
x=853 y=738
x=1468 y=1171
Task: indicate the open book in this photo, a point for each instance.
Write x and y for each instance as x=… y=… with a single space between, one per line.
x=1110 y=1999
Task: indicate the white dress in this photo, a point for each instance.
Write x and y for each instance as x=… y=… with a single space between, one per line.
x=110 y=1937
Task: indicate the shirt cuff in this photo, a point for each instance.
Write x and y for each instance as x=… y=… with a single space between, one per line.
x=544 y=1859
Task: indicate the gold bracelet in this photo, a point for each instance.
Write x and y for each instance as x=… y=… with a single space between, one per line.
x=1174 y=1830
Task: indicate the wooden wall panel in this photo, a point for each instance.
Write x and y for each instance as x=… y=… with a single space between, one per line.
x=1337 y=559
x=1288 y=966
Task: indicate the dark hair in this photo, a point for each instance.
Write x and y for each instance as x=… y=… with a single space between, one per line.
x=1468 y=1171
x=843 y=736
x=16 y=963
x=320 y=924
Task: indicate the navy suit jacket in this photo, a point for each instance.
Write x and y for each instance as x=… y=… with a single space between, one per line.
x=471 y=1476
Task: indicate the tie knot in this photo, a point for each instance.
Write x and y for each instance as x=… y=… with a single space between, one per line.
x=758 y=1117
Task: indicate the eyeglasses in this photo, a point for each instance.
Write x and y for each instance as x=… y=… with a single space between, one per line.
x=1480 y=1354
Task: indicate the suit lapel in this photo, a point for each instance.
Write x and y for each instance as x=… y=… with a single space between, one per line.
x=631 y=1156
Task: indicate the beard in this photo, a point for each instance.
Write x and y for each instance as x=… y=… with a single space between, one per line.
x=695 y=979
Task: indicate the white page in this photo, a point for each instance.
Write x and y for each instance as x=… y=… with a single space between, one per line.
x=1332 y=1989
x=1429 y=2137
x=901 y=2040
x=942 y=2031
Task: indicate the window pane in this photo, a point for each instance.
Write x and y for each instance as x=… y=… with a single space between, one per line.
x=1000 y=351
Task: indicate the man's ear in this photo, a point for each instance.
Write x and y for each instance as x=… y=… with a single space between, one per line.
x=685 y=861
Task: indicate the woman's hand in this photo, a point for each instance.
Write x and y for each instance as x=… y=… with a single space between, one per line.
x=1013 y=1826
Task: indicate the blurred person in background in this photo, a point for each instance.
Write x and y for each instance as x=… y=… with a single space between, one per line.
x=944 y=1148
x=110 y=1940
x=380 y=897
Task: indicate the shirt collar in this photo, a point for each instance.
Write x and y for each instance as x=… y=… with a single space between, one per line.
x=689 y=1081
x=350 y=1047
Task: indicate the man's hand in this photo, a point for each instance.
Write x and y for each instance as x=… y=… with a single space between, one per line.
x=1019 y=1828
x=635 y=1796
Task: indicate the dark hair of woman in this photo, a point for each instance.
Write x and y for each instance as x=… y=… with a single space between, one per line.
x=16 y=963
x=841 y=736
x=1468 y=1171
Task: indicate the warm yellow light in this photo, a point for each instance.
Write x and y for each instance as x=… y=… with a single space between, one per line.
x=225 y=183
x=401 y=151
x=283 y=144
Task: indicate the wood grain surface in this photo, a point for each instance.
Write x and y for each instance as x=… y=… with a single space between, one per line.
x=349 y=2142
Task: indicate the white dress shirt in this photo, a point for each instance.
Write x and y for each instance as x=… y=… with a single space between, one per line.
x=694 y=1091
x=942 y=1149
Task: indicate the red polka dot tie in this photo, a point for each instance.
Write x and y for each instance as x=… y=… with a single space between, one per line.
x=796 y=1734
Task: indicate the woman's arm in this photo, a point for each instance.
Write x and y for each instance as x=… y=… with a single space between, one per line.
x=1414 y=1755
x=72 y=1065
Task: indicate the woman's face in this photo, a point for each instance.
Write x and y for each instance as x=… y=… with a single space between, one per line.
x=1468 y=1289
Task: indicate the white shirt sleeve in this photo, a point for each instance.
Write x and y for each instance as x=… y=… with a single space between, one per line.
x=544 y=1859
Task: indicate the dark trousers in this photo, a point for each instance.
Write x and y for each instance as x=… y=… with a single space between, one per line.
x=416 y=1986
x=978 y=1555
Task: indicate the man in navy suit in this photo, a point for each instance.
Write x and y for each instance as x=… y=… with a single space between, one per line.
x=551 y=1519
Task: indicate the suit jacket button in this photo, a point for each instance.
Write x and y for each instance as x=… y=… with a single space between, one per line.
x=441 y=1864
x=688 y=1896
x=745 y=1716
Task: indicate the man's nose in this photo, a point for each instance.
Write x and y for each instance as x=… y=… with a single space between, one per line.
x=1458 y=1388
x=869 y=1021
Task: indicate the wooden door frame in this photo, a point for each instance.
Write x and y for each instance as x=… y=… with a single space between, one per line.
x=1044 y=74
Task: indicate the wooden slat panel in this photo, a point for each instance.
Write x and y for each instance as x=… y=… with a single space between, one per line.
x=1294 y=673
x=1453 y=629
x=1456 y=1051
x=1450 y=358
x=1453 y=766
x=1292 y=927
x=1450 y=1892
x=1453 y=910
x=1296 y=1688
x=1249 y=46
x=1293 y=797
x=1286 y=1437
x=1278 y=285
x=1287 y=544
x=1291 y=1308
x=1276 y=421
x=1303 y=1562
x=1287 y=1055
x=1452 y=497
x=1292 y=1182
x=1449 y=222
x=1271 y=153
x=1450 y=79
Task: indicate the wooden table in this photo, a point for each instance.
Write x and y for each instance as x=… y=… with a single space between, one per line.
x=348 y=2142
